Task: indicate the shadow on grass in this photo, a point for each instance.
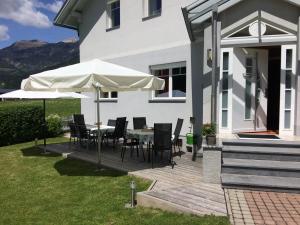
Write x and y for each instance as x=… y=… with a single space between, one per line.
x=37 y=152
x=74 y=167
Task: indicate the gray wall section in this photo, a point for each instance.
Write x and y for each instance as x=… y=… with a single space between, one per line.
x=276 y=11
x=207 y=68
x=197 y=57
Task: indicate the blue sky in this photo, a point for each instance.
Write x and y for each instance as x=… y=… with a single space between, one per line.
x=31 y=19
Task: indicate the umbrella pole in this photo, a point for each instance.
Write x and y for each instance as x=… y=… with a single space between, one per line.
x=98 y=129
x=44 y=126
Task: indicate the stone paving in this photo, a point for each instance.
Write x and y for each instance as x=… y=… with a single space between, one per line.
x=259 y=207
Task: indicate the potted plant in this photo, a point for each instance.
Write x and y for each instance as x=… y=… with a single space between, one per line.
x=209 y=132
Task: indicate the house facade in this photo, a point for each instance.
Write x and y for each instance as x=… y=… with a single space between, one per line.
x=258 y=45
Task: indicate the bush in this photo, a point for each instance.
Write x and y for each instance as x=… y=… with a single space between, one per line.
x=208 y=129
x=20 y=124
x=54 y=125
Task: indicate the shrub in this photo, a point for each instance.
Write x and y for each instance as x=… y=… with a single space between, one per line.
x=208 y=129
x=20 y=124
x=54 y=125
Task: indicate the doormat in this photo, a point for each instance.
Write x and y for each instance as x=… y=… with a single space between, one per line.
x=259 y=136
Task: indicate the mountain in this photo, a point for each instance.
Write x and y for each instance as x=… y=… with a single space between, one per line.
x=23 y=58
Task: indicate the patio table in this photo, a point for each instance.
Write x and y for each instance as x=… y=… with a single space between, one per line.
x=103 y=128
x=143 y=135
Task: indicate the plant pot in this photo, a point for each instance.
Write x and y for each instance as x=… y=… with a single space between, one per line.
x=211 y=140
x=191 y=139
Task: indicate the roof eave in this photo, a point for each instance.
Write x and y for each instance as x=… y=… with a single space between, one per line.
x=62 y=15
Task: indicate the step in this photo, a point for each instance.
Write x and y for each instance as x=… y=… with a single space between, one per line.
x=263 y=153
x=261 y=182
x=262 y=143
x=261 y=167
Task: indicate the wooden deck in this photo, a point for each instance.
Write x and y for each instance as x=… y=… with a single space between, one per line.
x=180 y=189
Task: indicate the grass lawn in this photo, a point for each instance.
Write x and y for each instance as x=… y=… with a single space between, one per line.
x=36 y=189
x=62 y=107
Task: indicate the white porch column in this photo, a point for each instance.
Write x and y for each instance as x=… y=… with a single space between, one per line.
x=297 y=111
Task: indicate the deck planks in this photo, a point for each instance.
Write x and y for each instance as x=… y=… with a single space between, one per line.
x=182 y=187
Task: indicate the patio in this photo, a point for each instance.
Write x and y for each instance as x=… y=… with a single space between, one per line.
x=180 y=189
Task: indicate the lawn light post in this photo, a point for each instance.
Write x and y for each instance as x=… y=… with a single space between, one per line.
x=132 y=195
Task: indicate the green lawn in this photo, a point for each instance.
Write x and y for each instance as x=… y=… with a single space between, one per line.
x=62 y=107
x=37 y=189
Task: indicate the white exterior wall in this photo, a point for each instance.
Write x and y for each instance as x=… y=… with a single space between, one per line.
x=137 y=44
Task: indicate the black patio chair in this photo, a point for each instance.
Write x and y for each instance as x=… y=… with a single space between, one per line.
x=73 y=132
x=119 y=131
x=162 y=141
x=78 y=119
x=131 y=144
x=176 y=134
x=86 y=136
x=139 y=123
x=111 y=123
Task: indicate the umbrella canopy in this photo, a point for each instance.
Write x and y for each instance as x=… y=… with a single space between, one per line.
x=41 y=95
x=21 y=94
x=96 y=76
x=83 y=76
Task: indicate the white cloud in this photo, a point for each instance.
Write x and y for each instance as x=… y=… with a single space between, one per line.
x=24 y=12
x=4 y=33
x=54 y=7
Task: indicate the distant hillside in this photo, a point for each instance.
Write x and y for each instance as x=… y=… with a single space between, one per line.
x=23 y=58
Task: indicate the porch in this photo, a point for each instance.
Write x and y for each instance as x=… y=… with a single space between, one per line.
x=180 y=189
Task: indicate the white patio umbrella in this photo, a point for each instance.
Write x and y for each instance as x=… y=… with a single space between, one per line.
x=94 y=75
x=42 y=95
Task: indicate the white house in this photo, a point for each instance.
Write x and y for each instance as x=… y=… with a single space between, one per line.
x=258 y=44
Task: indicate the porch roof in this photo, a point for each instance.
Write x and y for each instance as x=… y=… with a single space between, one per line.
x=69 y=15
x=201 y=10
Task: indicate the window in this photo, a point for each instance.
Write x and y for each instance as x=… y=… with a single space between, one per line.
x=288 y=89
x=113 y=14
x=154 y=7
x=109 y=95
x=225 y=89
x=175 y=80
x=250 y=67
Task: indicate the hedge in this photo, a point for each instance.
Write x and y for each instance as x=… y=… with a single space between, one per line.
x=20 y=124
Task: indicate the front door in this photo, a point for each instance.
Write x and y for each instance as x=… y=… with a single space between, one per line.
x=247 y=87
x=250 y=85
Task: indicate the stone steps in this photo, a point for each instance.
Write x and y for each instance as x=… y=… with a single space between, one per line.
x=263 y=164
x=261 y=182
x=261 y=153
x=261 y=167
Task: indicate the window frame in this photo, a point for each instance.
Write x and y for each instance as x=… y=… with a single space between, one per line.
x=146 y=9
x=109 y=25
x=109 y=98
x=170 y=67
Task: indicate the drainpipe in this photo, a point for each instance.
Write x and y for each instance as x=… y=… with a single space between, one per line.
x=214 y=64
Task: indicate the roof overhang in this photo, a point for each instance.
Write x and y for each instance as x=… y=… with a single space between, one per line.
x=69 y=15
x=201 y=11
